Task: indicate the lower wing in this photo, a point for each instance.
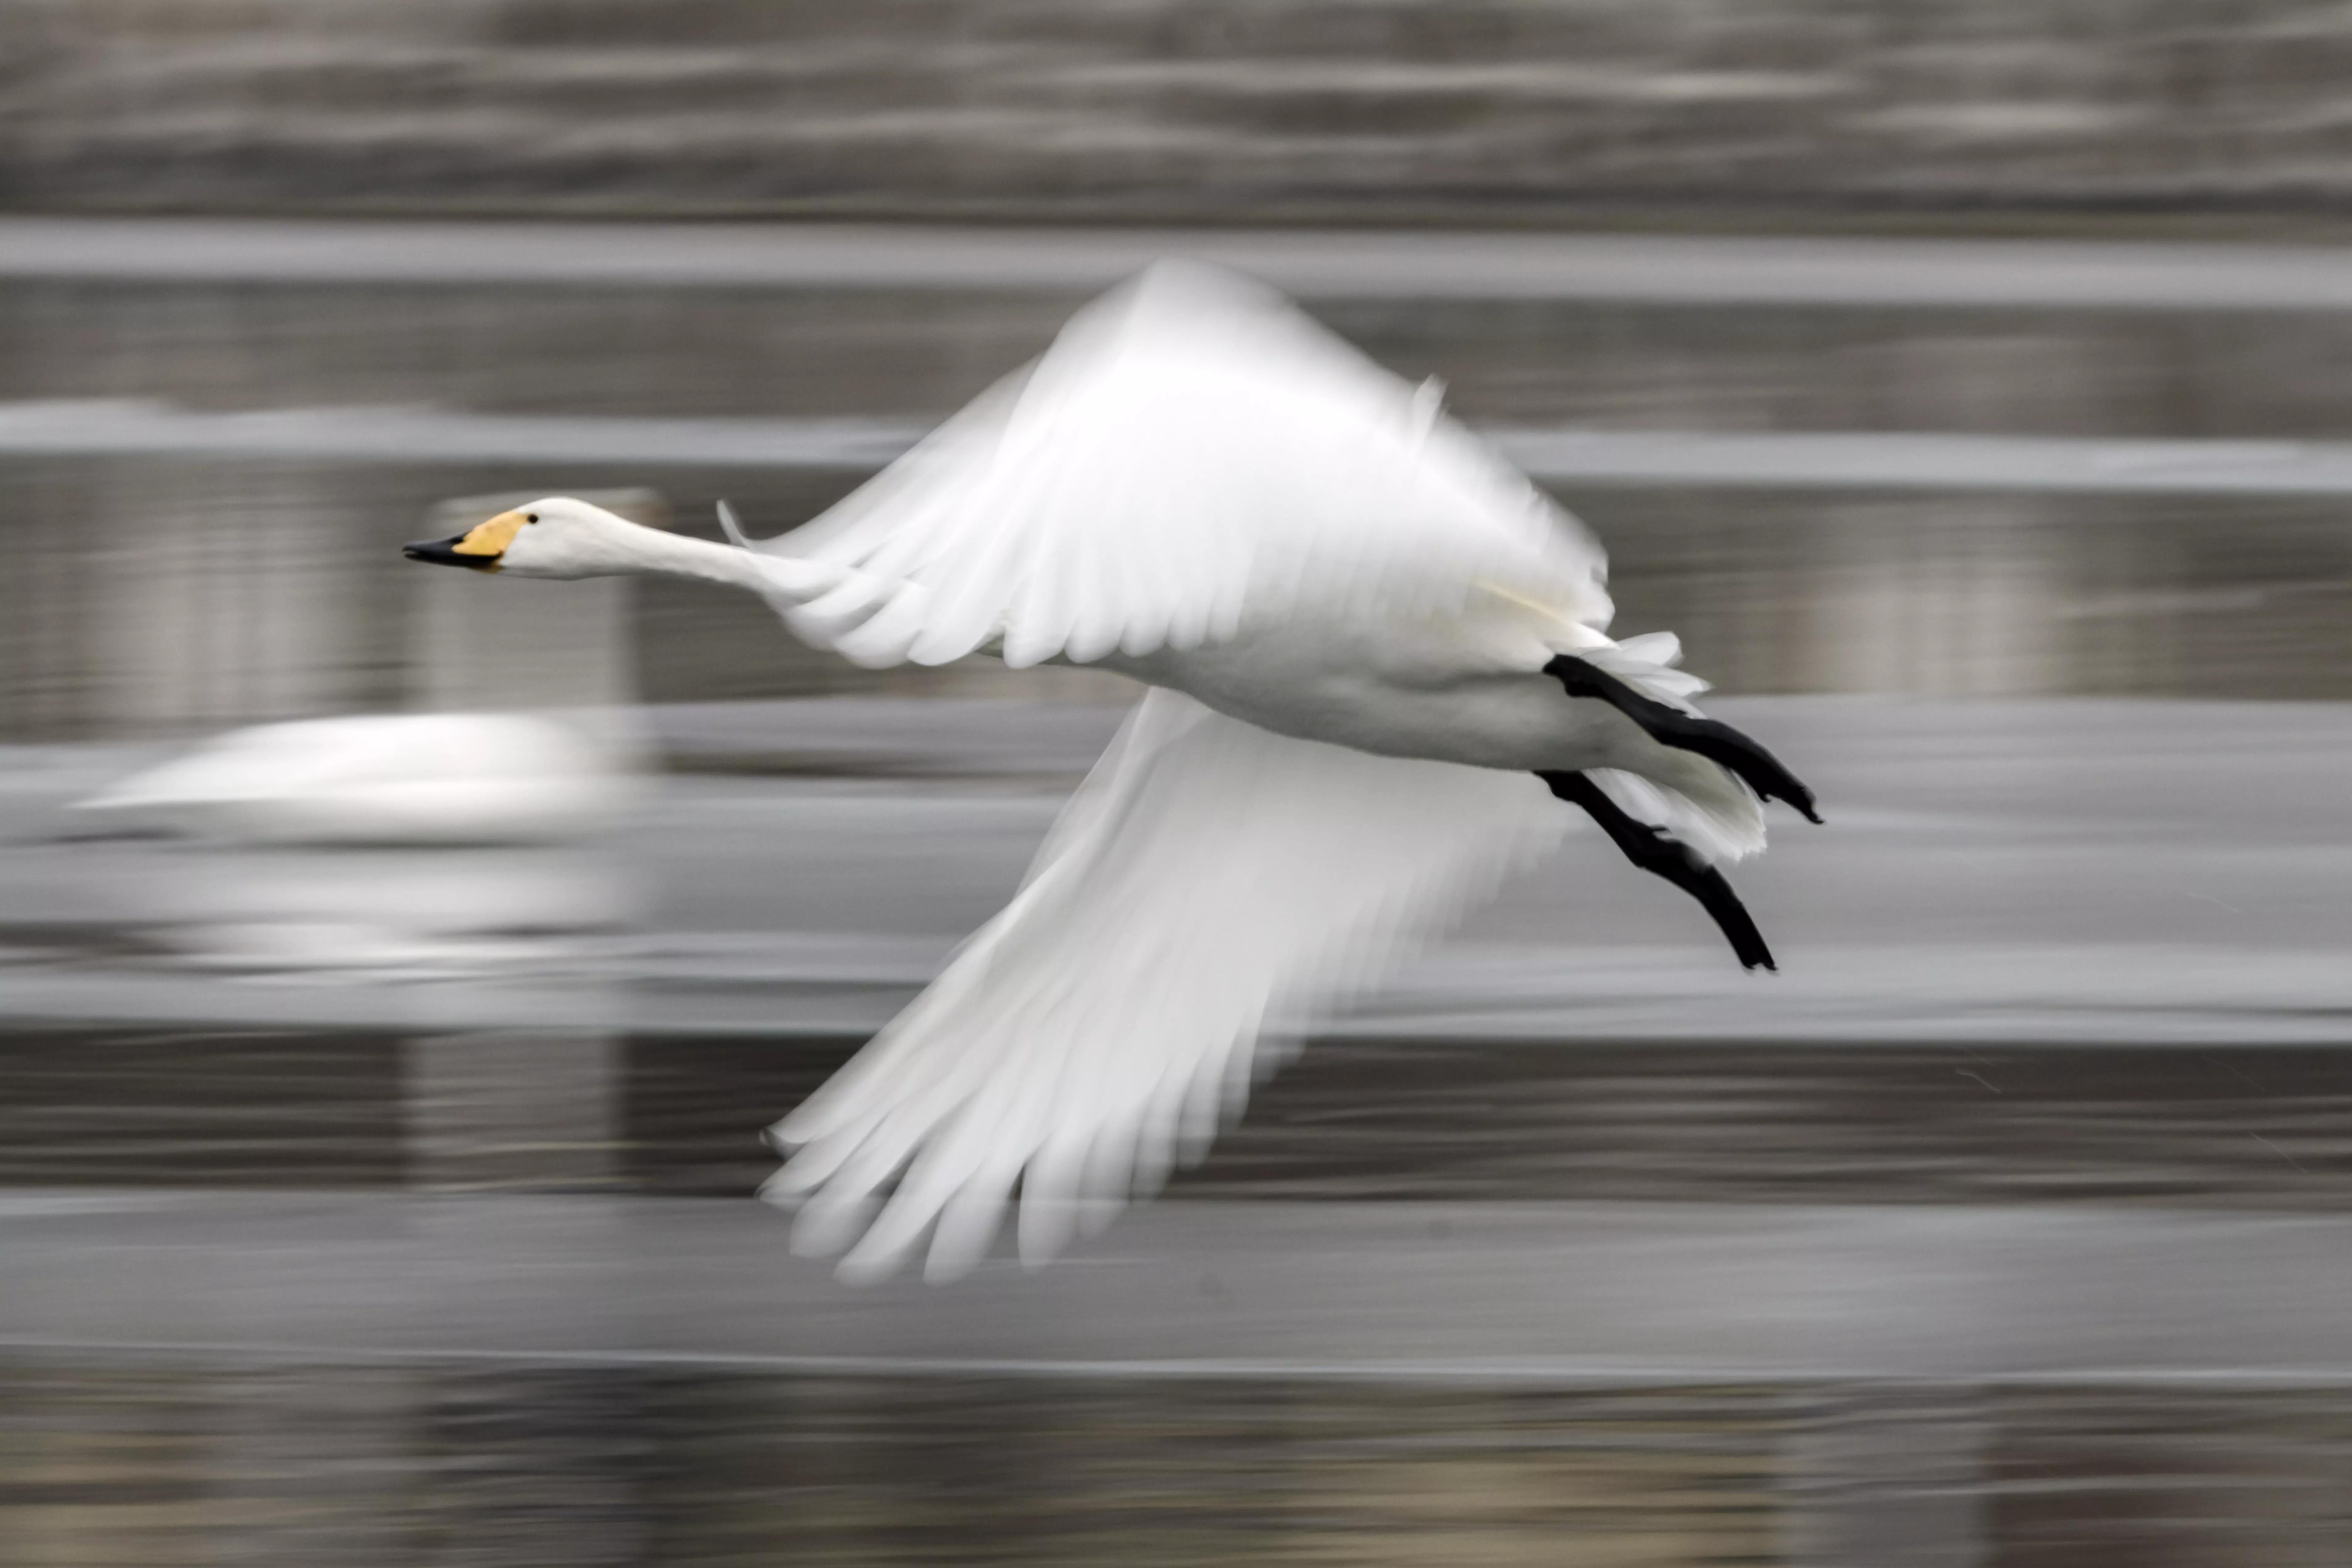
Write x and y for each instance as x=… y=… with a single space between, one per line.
x=1104 y=1025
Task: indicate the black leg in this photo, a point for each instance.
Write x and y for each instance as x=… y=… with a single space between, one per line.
x=1670 y=726
x=1653 y=851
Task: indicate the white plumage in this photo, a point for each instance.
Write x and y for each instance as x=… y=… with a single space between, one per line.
x=1363 y=626
x=1191 y=456
x=1206 y=875
x=384 y=779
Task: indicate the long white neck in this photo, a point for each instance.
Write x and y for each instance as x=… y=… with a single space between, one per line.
x=826 y=606
x=657 y=553
x=785 y=581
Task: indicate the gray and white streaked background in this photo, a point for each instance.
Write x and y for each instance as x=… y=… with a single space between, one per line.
x=1966 y=388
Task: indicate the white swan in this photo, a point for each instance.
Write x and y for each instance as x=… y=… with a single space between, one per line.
x=383 y=779
x=486 y=811
x=1377 y=658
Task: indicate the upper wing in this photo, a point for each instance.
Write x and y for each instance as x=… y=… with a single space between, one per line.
x=1191 y=453
x=1101 y=1025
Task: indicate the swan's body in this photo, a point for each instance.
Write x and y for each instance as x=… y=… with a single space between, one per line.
x=389 y=778
x=1362 y=628
x=1409 y=688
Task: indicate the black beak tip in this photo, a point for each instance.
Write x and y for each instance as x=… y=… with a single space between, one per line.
x=444 y=552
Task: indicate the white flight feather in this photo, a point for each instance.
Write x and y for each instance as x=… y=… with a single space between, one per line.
x=1208 y=876
x=1193 y=454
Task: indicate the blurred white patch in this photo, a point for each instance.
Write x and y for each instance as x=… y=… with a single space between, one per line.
x=386 y=846
x=386 y=779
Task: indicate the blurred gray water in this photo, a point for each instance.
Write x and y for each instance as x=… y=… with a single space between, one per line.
x=161 y=589
x=365 y=1207
x=2012 y=1205
x=1391 y=111
x=309 y=1464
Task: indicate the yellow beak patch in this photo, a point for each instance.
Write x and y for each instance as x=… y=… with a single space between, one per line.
x=490 y=538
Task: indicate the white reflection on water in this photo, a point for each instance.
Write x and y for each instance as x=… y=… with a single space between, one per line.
x=391 y=846
x=384 y=914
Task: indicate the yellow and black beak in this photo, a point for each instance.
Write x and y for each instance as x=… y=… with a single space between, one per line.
x=479 y=547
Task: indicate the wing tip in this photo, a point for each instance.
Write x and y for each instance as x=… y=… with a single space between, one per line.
x=732 y=526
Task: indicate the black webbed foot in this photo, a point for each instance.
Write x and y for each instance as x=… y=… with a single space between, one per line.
x=1670 y=726
x=1655 y=852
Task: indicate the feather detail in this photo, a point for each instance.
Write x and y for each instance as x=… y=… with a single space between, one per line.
x=1208 y=878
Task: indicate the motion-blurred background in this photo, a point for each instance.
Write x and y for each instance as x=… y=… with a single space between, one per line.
x=1967 y=385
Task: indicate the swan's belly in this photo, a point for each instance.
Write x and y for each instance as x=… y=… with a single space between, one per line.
x=1410 y=694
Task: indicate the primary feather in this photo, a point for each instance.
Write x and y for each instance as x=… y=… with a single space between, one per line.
x=1191 y=456
x=1208 y=876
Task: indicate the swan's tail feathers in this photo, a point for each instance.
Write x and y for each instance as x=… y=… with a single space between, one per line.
x=1701 y=803
x=1697 y=802
x=1650 y=664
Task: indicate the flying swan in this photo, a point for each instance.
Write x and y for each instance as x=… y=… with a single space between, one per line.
x=1377 y=668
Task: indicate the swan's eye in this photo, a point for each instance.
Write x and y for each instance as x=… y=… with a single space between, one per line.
x=531 y=517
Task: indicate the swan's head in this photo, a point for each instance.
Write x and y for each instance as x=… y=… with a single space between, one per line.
x=558 y=537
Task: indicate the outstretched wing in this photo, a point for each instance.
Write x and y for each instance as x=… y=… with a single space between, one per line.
x=1104 y=1023
x=1192 y=454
